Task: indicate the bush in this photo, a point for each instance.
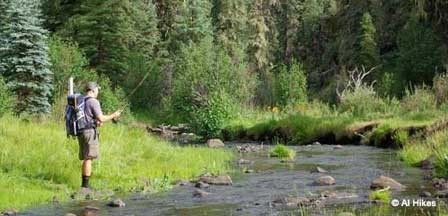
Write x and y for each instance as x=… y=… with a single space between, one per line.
x=208 y=120
x=362 y=101
x=281 y=151
x=440 y=87
x=112 y=100
x=67 y=60
x=421 y=99
x=6 y=98
x=291 y=85
x=206 y=82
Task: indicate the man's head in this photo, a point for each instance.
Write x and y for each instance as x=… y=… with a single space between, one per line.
x=92 y=89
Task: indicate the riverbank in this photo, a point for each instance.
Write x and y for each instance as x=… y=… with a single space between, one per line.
x=39 y=164
x=418 y=135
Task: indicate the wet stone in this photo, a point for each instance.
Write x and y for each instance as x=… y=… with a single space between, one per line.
x=182 y=183
x=325 y=180
x=217 y=180
x=89 y=211
x=202 y=185
x=425 y=194
x=118 y=203
x=345 y=214
x=200 y=193
x=83 y=194
x=249 y=171
x=425 y=164
x=318 y=170
x=70 y=214
x=244 y=161
x=215 y=143
x=440 y=183
x=291 y=201
x=337 y=147
x=10 y=212
x=384 y=182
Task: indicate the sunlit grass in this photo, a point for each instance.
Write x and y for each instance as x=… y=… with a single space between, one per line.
x=38 y=161
x=281 y=151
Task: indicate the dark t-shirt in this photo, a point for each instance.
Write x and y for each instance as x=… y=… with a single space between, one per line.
x=93 y=109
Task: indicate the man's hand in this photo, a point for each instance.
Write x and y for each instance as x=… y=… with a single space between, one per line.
x=117 y=114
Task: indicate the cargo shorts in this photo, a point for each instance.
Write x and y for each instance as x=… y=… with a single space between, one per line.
x=88 y=144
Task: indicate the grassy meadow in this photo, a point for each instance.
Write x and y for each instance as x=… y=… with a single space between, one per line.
x=38 y=162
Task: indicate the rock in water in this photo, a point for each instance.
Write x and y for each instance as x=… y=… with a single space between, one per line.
x=317 y=143
x=70 y=214
x=291 y=201
x=425 y=194
x=440 y=184
x=384 y=182
x=217 y=180
x=337 y=147
x=117 y=203
x=319 y=170
x=215 y=143
x=325 y=180
x=346 y=214
x=10 y=212
x=89 y=211
x=201 y=185
x=200 y=193
x=244 y=161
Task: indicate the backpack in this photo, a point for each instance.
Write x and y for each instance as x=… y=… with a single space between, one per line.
x=75 y=117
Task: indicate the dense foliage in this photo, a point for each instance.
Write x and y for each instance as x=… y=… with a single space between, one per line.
x=256 y=53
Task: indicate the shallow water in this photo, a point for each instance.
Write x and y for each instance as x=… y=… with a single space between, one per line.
x=353 y=167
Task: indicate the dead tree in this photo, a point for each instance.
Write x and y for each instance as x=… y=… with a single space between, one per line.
x=355 y=81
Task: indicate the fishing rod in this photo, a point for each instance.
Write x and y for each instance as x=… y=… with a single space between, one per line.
x=123 y=107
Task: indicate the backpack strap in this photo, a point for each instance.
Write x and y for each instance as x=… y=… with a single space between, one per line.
x=90 y=124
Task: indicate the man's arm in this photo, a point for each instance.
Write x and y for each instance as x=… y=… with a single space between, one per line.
x=104 y=118
x=98 y=113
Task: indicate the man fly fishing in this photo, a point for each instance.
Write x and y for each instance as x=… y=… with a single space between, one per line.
x=88 y=138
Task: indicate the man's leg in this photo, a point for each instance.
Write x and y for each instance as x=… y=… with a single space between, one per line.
x=86 y=172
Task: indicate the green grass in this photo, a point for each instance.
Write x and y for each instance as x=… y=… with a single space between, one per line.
x=38 y=162
x=383 y=195
x=281 y=151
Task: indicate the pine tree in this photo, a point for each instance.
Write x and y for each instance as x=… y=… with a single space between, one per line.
x=103 y=30
x=368 y=50
x=192 y=22
x=3 y=34
x=27 y=63
x=258 y=51
x=230 y=21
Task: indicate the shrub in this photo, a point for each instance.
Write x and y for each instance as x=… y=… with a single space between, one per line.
x=421 y=99
x=440 y=87
x=67 y=60
x=362 y=101
x=281 y=151
x=208 y=120
x=389 y=84
x=291 y=85
x=111 y=99
x=6 y=98
x=207 y=82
